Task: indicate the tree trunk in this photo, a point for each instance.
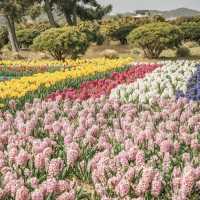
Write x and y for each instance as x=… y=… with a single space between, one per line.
x=71 y=17
x=74 y=14
x=68 y=18
x=47 y=8
x=12 y=33
x=74 y=18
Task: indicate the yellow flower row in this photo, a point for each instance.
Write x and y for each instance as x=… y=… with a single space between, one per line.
x=51 y=63
x=20 y=87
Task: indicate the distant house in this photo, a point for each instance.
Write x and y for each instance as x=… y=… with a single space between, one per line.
x=142 y=13
x=171 y=18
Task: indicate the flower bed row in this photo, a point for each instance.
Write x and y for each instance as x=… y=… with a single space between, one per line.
x=96 y=88
x=112 y=150
x=20 y=68
x=163 y=82
x=117 y=147
x=15 y=72
x=193 y=87
x=26 y=87
x=21 y=65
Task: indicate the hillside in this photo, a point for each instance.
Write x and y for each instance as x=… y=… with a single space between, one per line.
x=180 y=12
x=185 y=12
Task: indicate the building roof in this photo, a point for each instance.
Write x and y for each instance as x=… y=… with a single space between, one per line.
x=142 y=11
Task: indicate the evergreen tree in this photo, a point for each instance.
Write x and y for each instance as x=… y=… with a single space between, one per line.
x=13 y=11
x=83 y=9
x=48 y=7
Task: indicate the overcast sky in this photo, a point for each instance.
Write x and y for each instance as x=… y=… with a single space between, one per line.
x=120 y=6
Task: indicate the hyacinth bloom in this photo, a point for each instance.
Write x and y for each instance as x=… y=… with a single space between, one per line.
x=127 y=149
x=104 y=148
x=22 y=193
x=193 y=87
x=161 y=83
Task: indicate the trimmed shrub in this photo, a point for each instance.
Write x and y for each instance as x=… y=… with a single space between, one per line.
x=25 y=37
x=75 y=43
x=153 y=38
x=181 y=20
x=191 y=31
x=183 y=52
x=92 y=31
x=60 y=42
x=48 y=41
x=118 y=29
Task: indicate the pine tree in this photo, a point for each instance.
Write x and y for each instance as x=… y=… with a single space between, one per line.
x=83 y=9
x=13 y=11
x=48 y=8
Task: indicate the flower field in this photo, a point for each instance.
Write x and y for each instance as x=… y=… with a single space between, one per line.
x=36 y=85
x=101 y=130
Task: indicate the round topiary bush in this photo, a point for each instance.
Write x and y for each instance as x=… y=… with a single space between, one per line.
x=25 y=37
x=92 y=31
x=191 y=31
x=183 y=52
x=60 y=42
x=182 y=19
x=153 y=38
x=118 y=29
x=75 y=42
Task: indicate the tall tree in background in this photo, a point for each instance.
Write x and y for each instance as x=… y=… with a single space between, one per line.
x=94 y=11
x=13 y=11
x=48 y=7
x=84 y=9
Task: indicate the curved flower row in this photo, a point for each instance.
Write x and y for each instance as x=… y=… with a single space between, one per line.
x=22 y=65
x=121 y=151
x=27 y=71
x=96 y=88
x=163 y=83
x=32 y=63
x=43 y=65
x=17 y=88
x=193 y=87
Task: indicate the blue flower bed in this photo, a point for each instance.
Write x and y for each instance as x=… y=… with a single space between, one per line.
x=193 y=87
